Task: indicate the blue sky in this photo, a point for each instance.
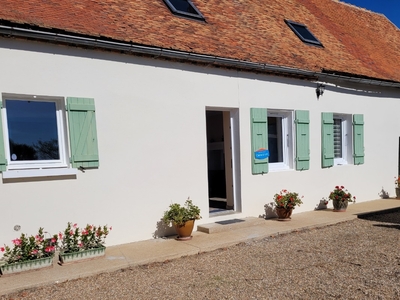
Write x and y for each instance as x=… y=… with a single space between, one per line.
x=390 y=8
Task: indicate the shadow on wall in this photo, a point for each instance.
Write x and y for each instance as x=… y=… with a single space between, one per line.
x=163 y=230
x=269 y=211
x=323 y=204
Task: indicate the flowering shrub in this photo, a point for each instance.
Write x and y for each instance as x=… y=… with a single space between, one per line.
x=342 y=194
x=286 y=199
x=29 y=248
x=74 y=239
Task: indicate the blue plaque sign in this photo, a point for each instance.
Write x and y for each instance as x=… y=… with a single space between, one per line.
x=261 y=153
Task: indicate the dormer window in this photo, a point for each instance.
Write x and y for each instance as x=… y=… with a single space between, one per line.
x=184 y=8
x=303 y=33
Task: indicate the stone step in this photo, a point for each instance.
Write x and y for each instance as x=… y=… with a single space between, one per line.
x=231 y=224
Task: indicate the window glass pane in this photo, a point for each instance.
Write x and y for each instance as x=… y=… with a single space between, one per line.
x=337 y=137
x=32 y=130
x=304 y=32
x=183 y=5
x=275 y=139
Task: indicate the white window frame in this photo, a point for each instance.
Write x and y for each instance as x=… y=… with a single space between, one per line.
x=287 y=140
x=346 y=139
x=63 y=162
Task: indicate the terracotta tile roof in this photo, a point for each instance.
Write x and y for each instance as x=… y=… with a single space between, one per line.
x=356 y=41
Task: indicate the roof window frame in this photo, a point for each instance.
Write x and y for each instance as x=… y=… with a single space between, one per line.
x=197 y=16
x=292 y=25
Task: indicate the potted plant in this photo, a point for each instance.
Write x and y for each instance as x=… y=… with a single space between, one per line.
x=80 y=244
x=341 y=197
x=182 y=217
x=397 y=186
x=28 y=253
x=285 y=202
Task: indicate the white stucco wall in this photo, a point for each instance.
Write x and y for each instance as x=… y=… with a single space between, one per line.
x=152 y=139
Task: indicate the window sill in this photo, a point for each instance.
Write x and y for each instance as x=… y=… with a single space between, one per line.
x=39 y=173
x=276 y=167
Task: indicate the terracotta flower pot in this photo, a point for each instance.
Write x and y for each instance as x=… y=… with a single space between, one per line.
x=284 y=214
x=184 y=231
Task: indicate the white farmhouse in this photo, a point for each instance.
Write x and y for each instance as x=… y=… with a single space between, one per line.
x=112 y=110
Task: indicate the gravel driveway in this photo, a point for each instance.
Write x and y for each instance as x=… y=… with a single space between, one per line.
x=358 y=259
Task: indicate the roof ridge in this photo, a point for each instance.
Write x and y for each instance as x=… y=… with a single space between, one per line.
x=358 y=7
x=366 y=10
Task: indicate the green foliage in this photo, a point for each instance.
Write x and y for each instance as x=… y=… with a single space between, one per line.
x=342 y=194
x=181 y=214
x=74 y=239
x=29 y=248
x=286 y=199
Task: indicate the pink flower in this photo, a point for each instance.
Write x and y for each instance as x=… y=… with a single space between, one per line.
x=35 y=251
x=80 y=244
x=75 y=225
x=60 y=236
x=71 y=233
x=53 y=240
x=84 y=232
x=16 y=242
x=2 y=249
x=110 y=227
x=49 y=249
x=38 y=238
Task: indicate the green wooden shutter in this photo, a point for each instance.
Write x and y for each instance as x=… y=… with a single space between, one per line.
x=259 y=139
x=3 y=160
x=82 y=131
x=302 y=121
x=327 y=140
x=358 y=140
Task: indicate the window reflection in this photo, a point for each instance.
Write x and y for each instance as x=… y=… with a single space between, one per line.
x=32 y=130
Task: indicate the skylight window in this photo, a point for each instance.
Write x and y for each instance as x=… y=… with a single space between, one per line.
x=303 y=33
x=184 y=8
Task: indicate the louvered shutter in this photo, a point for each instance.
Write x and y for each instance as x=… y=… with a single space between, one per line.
x=358 y=139
x=302 y=121
x=83 y=133
x=327 y=140
x=337 y=138
x=259 y=140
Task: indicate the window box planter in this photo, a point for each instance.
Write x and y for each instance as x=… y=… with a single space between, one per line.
x=67 y=258
x=29 y=265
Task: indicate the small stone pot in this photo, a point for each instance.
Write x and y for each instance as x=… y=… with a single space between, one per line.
x=339 y=205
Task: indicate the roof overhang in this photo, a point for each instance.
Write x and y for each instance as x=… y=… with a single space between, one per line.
x=53 y=36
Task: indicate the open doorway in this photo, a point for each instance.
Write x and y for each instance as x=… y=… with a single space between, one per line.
x=221 y=161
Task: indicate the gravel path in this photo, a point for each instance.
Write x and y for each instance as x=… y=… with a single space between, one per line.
x=359 y=259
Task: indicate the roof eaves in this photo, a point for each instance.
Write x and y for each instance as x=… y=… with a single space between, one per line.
x=108 y=44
